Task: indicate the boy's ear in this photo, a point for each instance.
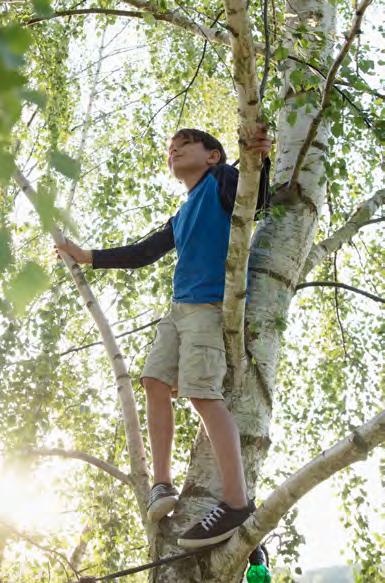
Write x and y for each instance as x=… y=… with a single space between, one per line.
x=214 y=157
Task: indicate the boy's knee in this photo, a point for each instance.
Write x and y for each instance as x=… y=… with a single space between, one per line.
x=155 y=387
x=204 y=404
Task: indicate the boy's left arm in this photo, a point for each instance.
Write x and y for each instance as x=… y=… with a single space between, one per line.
x=227 y=176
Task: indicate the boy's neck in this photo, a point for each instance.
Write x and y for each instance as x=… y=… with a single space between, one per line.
x=191 y=179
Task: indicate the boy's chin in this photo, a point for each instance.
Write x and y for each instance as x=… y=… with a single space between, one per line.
x=178 y=173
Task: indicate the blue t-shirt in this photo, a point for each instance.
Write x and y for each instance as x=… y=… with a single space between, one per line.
x=201 y=230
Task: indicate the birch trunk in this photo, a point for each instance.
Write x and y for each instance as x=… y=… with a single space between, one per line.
x=278 y=253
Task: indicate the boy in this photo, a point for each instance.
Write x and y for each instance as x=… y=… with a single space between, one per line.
x=188 y=354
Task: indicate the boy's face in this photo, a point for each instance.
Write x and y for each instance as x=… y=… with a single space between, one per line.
x=186 y=157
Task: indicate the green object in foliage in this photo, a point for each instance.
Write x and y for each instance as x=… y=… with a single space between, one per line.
x=258 y=574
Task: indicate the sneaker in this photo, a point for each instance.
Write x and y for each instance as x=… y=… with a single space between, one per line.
x=162 y=500
x=217 y=526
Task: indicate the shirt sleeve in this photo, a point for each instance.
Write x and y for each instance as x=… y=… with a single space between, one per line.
x=227 y=177
x=137 y=254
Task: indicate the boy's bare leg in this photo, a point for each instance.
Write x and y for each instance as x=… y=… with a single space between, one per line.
x=160 y=420
x=224 y=437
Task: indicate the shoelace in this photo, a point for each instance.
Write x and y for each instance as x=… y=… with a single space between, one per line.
x=210 y=519
x=158 y=490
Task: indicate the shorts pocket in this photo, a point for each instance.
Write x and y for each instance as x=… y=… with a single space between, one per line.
x=204 y=362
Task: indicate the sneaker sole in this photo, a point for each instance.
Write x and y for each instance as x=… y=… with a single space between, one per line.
x=161 y=508
x=205 y=542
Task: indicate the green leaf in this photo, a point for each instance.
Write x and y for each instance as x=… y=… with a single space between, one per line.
x=5 y=249
x=30 y=282
x=45 y=206
x=380 y=130
x=148 y=18
x=337 y=129
x=42 y=7
x=292 y=118
x=297 y=77
x=10 y=109
x=36 y=97
x=366 y=65
x=65 y=164
x=14 y=38
x=63 y=216
x=281 y=53
x=7 y=167
x=10 y=79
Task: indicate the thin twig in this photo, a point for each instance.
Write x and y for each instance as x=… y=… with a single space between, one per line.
x=359 y=218
x=80 y=153
x=84 y=11
x=186 y=90
x=267 y=50
x=98 y=343
x=343 y=94
x=337 y=284
x=336 y=301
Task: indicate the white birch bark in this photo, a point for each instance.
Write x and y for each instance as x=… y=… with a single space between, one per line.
x=242 y=220
x=326 y=247
x=139 y=471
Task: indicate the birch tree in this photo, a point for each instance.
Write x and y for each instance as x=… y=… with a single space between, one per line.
x=199 y=64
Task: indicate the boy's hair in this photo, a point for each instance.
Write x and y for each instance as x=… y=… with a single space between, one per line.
x=209 y=142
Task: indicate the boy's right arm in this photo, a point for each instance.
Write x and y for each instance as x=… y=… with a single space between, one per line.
x=129 y=256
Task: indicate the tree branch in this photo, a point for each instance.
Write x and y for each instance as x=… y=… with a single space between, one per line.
x=326 y=96
x=84 y=12
x=98 y=343
x=140 y=474
x=373 y=221
x=247 y=190
x=346 y=452
x=214 y=35
x=336 y=284
x=358 y=220
x=85 y=457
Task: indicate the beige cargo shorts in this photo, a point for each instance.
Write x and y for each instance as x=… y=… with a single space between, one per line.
x=189 y=353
